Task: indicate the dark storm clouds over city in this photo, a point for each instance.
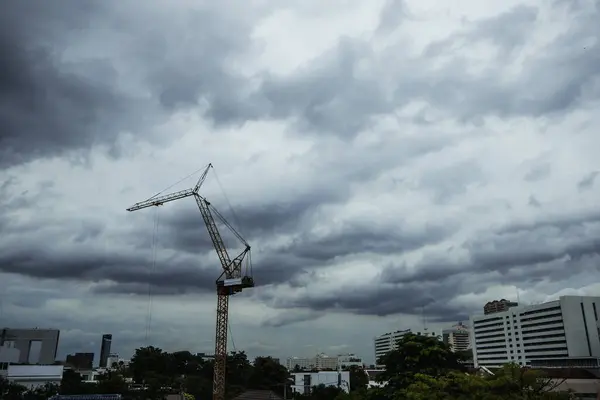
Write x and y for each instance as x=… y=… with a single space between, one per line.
x=386 y=160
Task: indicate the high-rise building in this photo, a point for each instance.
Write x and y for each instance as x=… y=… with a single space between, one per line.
x=458 y=337
x=563 y=332
x=498 y=306
x=105 y=349
x=387 y=342
x=80 y=360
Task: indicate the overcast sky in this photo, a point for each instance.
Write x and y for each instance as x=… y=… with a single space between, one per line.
x=390 y=162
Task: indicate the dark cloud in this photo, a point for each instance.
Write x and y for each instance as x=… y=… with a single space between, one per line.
x=291 y=317
x=515 y=258
x=49 y=106
x=588 y=181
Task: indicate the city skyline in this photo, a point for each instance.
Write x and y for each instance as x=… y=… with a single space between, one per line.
x=389 y=162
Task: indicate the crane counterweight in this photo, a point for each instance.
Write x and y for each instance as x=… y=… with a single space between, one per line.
x=231 y=280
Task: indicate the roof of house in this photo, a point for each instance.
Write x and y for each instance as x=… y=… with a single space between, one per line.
x=258 y=395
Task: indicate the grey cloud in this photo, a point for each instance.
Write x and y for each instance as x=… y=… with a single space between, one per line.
x=588 y=181
x=392 y=15
x=544 y=253
x=534 y=202
x=86 y=264
x=538 y=172
x=51 y=105
x=48 y=106
x=502 y=253
x=292 y=316
x=453 y=180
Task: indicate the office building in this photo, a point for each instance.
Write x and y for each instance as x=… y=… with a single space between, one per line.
x=80 y=360
x=387 y=342
x=457 y=337
x=495 y=306
x=105 y=349
x=563 y=332
x=36 y=346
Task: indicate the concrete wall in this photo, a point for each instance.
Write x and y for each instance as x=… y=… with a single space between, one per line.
x=32 y=376
x=22 y=339
x=581 y=327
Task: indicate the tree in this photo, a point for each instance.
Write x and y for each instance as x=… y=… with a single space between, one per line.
x=10 y=391
x=322 y=392
x=358 y=378
x=72 y=384
x=267 y=374
x=511 y=383
x=416 y=354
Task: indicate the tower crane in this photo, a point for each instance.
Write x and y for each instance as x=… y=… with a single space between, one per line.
x=232 y=279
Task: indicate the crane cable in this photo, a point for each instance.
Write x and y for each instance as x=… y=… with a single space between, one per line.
x=231 y=334
x=236 y=220
x=153 y=271
x=179 y=181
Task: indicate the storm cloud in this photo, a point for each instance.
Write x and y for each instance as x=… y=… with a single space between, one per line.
x=387 y=173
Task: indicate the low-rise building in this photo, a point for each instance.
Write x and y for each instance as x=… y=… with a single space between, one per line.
x=320 y=362
x=345 y=361
x=305 y=381
x=32 y=376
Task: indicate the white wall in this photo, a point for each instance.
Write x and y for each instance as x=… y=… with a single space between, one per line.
x=32 y=376
x=575 y=329
x=327 y=378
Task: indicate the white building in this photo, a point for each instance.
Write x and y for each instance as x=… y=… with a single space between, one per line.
x=372 y=375
x=8 y=355
x=115 y=360
x=560 y=332
x=458 y=337
x=32 y=376
x=389 y=341
x=319 y=362
x=304 y=381
x=345 y=361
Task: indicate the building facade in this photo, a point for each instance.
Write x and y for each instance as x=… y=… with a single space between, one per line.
x=495 y=306
x=33 y=376
x=345 y=361
x=24 y=339
x=305 y=381
x=80 y=360
x=458 y=337
x=389 y=341
x=564 y=331
x=320 y=362
x=105 y=349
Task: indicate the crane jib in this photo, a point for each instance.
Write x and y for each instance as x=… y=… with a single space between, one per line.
x=231 y=280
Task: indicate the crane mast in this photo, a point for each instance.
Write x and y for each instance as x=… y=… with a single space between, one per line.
x=231 y=280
